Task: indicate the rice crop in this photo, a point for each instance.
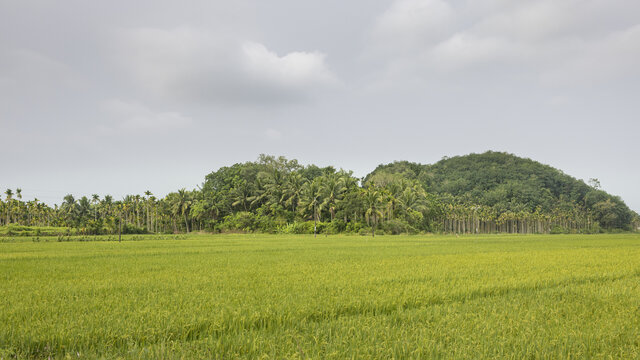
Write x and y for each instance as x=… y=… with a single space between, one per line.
x=330 y=297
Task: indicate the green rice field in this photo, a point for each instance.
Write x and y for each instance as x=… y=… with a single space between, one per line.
x=335 y=297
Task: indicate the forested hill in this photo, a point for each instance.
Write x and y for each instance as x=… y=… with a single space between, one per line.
x=506 y=182
x=486 y=193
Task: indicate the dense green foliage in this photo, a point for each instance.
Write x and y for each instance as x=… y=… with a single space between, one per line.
x=335 y=297
x=486 y=193
x=507 y=183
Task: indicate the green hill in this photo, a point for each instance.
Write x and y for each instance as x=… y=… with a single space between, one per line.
x=506 y=182
x=478 y=193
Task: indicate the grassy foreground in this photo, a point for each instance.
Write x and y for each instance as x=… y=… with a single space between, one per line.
x=271 y=296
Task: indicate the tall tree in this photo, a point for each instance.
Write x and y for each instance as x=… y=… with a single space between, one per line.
x=147 y=200
x=95 y=200
x=311 y=199
x=332 y=188
x=373 y=200
x=9 y=194
x=182 y=205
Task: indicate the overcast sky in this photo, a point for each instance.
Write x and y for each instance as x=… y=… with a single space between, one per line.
x=117 y=97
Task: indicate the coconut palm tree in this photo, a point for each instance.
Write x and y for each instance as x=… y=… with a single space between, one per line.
x=332 y=188
x=3 y=209
x=95 y=200
x=147 y=199
x=106 y=205
x=68 y=208
x=181 y=205
x=293 y=190
x=136 y=208
x=270 y=187
x=373 y=201
x=311 y=200
x=9 y=194
x=241 y=194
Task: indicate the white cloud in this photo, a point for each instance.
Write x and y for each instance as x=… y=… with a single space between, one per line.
x=199 y=66
x=465 y=49
x=556 y=41
x=410 y=22
x=135 y=117
x=296 y=69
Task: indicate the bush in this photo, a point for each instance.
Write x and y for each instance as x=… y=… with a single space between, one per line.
x=594 y=229
x=367 y=232
x=557 y=229
x=267 y=224
x=354 y=227
x=132 y=229
x=242 y=221
x=397 y=226
x=305 y=227
x=336 y=226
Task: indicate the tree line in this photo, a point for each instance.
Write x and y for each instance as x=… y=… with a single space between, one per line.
x=277 y=195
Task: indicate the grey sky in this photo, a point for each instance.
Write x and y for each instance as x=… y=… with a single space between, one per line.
x=115 y=98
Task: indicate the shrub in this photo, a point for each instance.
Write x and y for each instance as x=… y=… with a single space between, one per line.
x=354 y=227
x=132 y=229
x=267 y=224
x=557 y=229
x=397 y=226
x=305 y=227
x=243 y=221
x=336 y=226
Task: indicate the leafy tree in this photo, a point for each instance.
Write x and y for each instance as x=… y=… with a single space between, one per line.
x=372 y=197
x=490 y=192
x=9 y=194
x=181 y=205
x=311 y=200
x=331 y=189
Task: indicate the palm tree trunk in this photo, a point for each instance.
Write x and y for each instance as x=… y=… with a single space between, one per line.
x=373 y=226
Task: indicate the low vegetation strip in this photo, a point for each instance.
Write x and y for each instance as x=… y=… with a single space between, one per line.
x=296 y=296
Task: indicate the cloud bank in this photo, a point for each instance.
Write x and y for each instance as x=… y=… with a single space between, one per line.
x=558 y=42
x=134 y=117
x=198 y=66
